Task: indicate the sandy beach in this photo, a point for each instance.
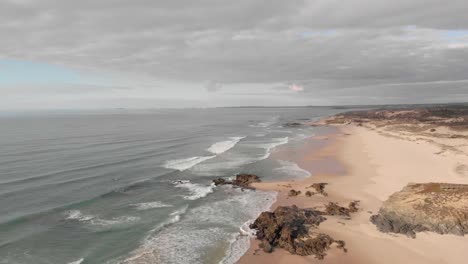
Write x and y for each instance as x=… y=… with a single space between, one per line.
x=368 y=164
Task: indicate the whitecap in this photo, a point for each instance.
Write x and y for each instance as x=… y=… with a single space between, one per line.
x=270 y=146
x=150 y=205
x=94 y=220
x=223 y=146
x=77 y=261
x=184 y=164
x=174 y=218
x=196 y=190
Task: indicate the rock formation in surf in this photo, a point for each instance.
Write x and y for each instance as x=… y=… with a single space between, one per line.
x=292 y=124
x=436 y=207
x=292 y=228
x=241 y=180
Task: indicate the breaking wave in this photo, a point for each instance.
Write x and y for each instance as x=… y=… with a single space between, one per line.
x=94 y=220
x=223 y=146
x=150 y=205
x=196 y=190
x=184 y=164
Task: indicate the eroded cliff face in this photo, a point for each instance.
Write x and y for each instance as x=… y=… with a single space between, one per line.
x=435 y=207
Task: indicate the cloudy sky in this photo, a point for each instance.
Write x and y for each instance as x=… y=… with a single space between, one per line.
x=205 y=53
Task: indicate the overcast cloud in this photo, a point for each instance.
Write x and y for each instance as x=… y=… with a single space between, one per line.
x=244 y=52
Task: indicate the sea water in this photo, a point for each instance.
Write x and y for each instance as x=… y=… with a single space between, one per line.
x=136 y=186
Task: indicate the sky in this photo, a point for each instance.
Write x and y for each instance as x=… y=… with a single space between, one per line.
x=88 y=54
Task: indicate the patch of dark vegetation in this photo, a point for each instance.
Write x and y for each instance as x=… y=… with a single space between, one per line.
x=453 y=116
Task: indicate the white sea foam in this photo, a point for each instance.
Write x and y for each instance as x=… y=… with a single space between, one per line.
x=223 y=146
x=291 y=169
x=77 y=261
x=196 y=190
x=150 y=205
x=270 y=146
x=275 y=142
x=146 y=251
x=94 y=220
x=174 y=218
x=184 y=164
x=201 y=230
x=240 y=242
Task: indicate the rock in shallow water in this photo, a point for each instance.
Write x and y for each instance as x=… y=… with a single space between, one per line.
x=242 y=180
x=436 y=207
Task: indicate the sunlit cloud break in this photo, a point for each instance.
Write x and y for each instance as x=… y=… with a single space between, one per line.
x=296 y=88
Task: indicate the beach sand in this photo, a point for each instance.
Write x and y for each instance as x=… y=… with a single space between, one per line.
x=365 y=164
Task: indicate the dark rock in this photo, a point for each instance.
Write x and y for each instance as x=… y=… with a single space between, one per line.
x=292 y=124
x=288 y=227
x=267 y=247
x=335 y=209
x=309 y=193
x=319 y=188
x=221 y=181
x=293 y=192
x=316 y=245
x=244 y=180
x=353 y=206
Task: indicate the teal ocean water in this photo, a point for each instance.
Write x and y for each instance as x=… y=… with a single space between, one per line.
x=135 y=186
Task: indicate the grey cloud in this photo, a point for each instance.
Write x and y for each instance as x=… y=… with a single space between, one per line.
x=329 y=47
x=213 y=86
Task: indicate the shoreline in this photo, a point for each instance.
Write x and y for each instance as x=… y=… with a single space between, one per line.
x=360 y=163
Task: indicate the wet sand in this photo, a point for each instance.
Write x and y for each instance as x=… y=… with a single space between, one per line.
x=359 y=163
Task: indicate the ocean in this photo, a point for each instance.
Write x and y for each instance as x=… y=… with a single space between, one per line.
x=136 y=186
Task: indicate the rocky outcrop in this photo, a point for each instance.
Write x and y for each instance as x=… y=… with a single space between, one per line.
x=244 y=180
x=292 y=124
x=293 y=192
x=291 y=228
x=241 y=180
x=319 y=188
x=436 y=207
x=221 y=181
x=335 y=209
